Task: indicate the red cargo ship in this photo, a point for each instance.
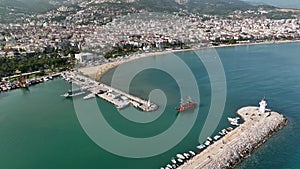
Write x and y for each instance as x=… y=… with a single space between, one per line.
x=187 y=106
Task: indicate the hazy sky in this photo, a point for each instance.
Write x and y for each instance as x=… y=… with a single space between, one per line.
x=280 y=3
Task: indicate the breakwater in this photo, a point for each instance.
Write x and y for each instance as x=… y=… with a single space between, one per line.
x=239 y=143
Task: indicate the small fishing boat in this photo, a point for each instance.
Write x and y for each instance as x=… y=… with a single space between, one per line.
x=192 y=153
x=201 y=146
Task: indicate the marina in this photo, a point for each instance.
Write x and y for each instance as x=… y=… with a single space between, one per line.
x=21 y=81
x=117 y=97
x=181 y=159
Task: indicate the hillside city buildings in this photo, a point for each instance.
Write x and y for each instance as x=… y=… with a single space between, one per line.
x=146 y=31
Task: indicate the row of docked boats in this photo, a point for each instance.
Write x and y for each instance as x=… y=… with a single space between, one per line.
x=210 y=140
x=182 y=158
x=22 y=83
x=179 y=160
x=66 y=78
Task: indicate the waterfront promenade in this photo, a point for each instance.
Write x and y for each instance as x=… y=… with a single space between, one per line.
x=239 y=143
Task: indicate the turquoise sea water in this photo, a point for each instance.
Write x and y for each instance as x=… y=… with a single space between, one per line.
x=40 y=129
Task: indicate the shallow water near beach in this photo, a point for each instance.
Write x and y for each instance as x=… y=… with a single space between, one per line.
x=40 y=129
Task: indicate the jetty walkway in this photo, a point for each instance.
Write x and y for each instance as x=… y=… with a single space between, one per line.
x=115 y=96
x=239 y=143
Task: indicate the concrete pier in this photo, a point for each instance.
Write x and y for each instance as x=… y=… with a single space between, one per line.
x=135 y=101
x=239 y=143
x=115 y=96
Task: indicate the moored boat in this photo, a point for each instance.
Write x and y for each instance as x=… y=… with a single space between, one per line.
x=180 y=160
x=89 y=96
x=173 y=161
x=180 y=156
x=71 y=94
x=223 y=132
x=207 y=143
x=209 y=139
x=186 y=155
x=217 y=137
x=229 y=128
x=192 y=153
x=122 y=105
x=201 y=146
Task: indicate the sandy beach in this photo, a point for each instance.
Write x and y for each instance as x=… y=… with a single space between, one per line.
x=96 y=72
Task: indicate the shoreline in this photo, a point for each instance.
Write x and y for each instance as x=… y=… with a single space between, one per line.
x=260 y=43
x=96 y=72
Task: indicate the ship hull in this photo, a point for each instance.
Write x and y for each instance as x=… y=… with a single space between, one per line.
x=183 y=108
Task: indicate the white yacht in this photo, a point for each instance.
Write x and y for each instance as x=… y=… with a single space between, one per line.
x=122 y=105
x=89 y=96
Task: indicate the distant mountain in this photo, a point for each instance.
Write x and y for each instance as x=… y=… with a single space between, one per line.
x=202 y=6
x=27 y=5
x=157 y=5
x=15 y=10
x=255 y=3
x=295 y=4
x=218 y=7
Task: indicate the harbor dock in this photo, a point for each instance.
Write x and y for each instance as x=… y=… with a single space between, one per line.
x=115 y=96
x=231 y=149
x=24 y=81
x=137 y=102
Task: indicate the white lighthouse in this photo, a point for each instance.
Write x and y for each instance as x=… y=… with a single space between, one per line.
x=148 y=103
x=262 y=105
